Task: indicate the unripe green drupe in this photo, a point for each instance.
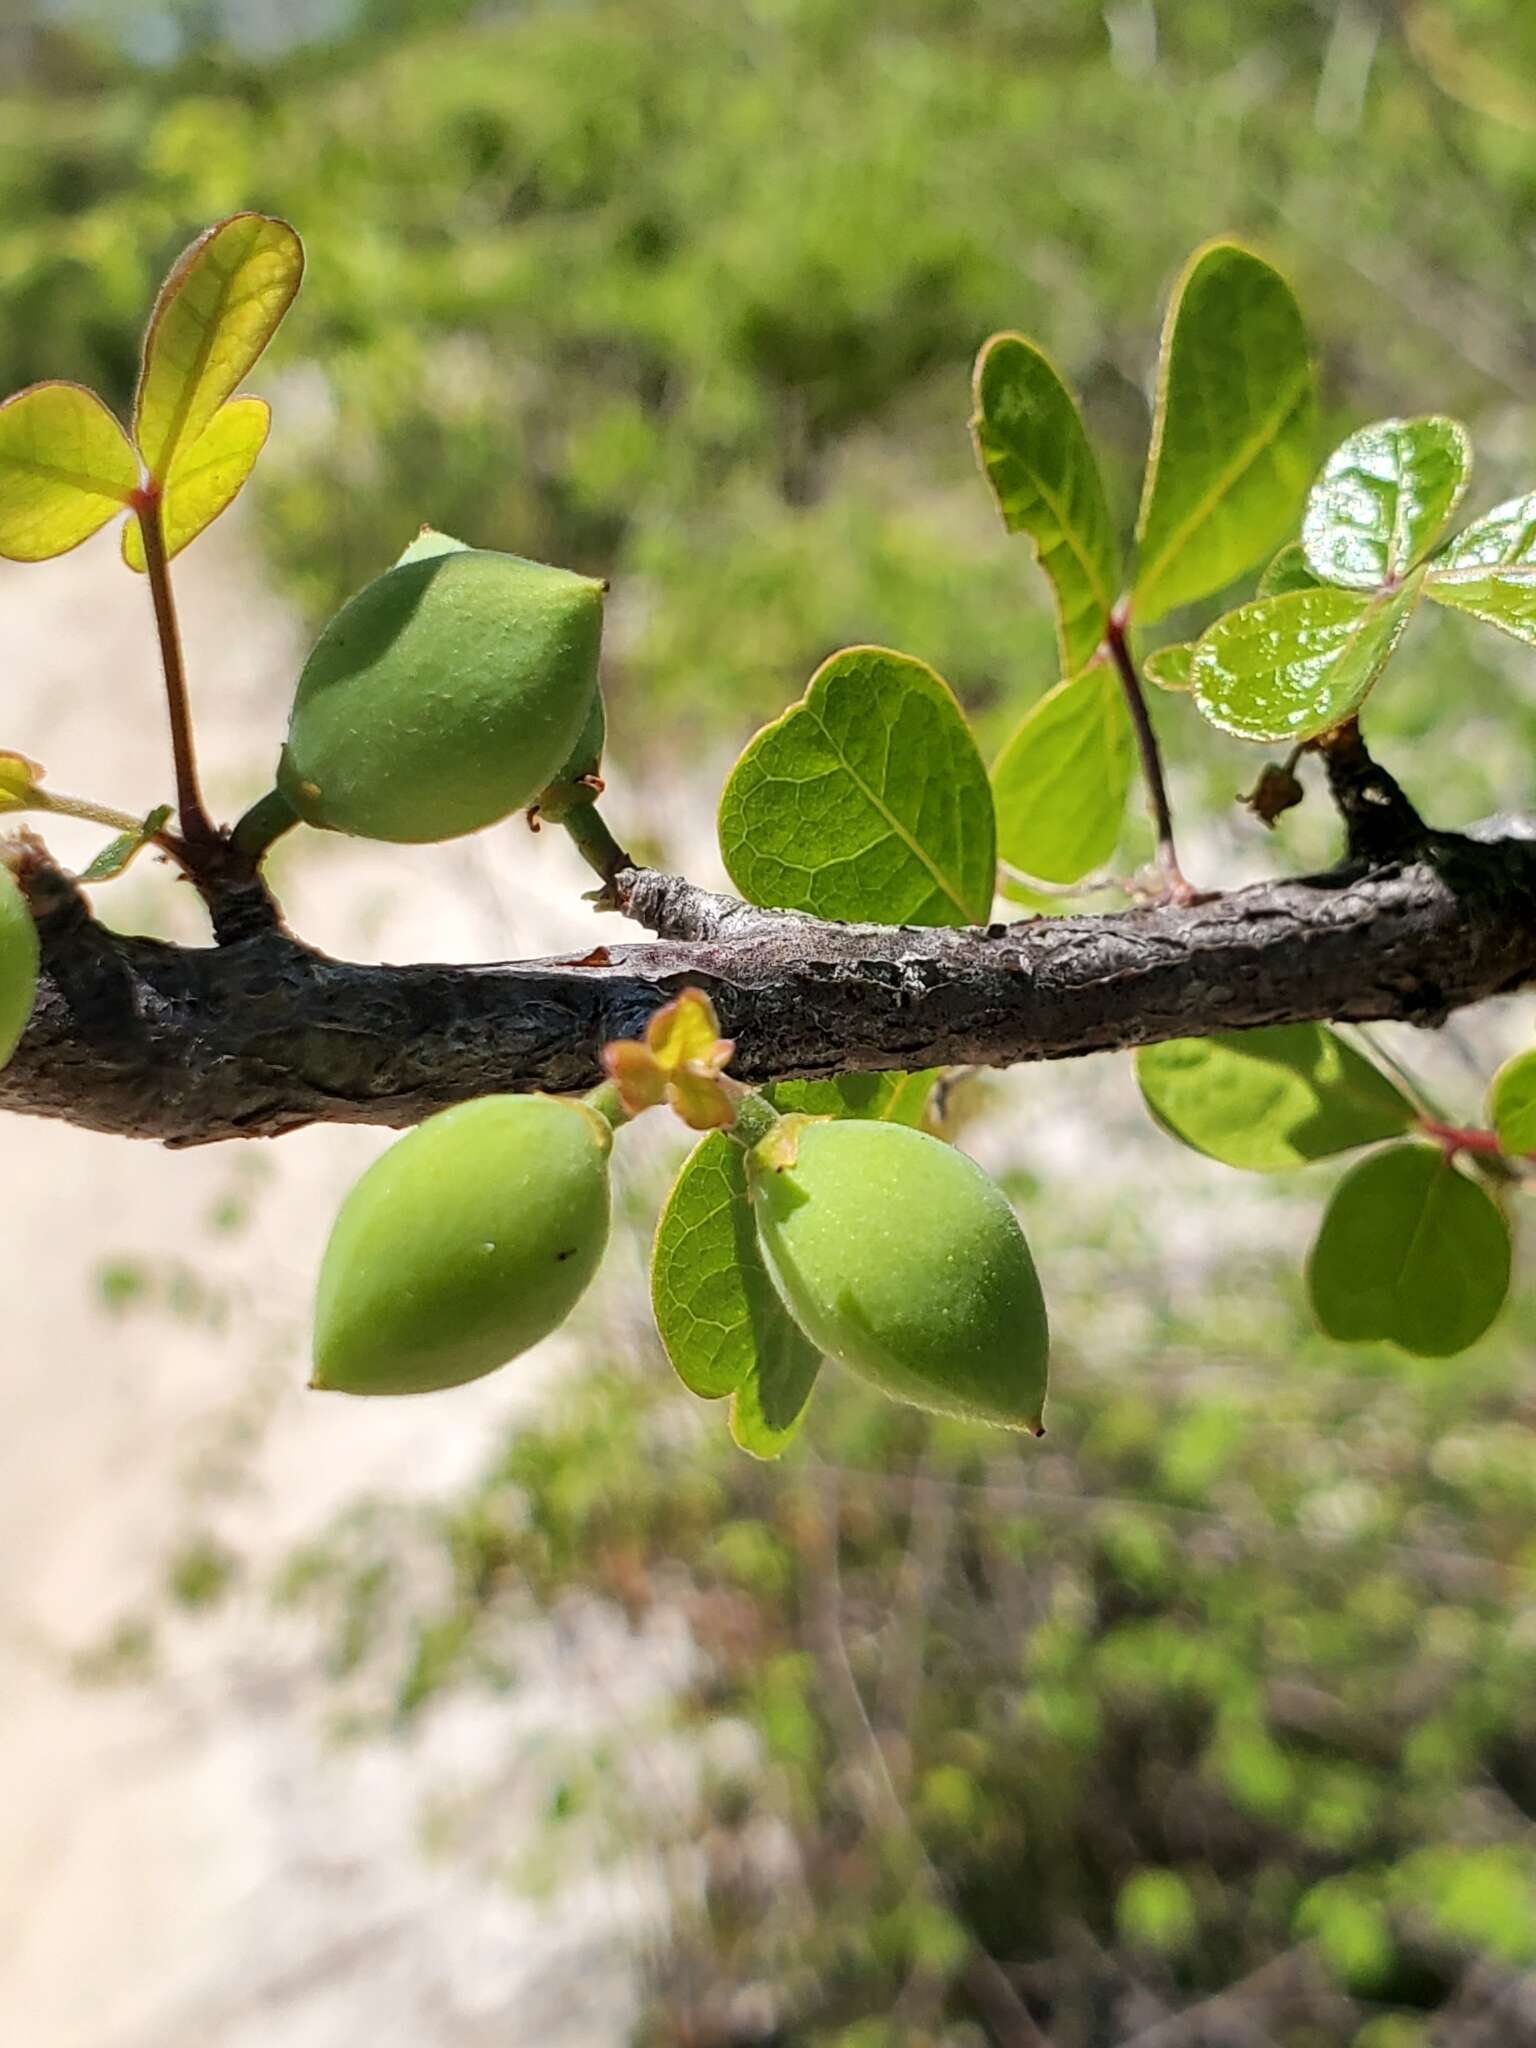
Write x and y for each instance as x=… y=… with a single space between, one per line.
x=898 y=1256
x=443 y=697
x=18 y=963
x=464 y=1244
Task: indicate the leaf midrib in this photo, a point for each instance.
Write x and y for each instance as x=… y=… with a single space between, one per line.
x=879 y=805
x=1242 y=462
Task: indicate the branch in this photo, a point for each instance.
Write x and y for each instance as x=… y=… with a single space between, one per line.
x=261 y=1035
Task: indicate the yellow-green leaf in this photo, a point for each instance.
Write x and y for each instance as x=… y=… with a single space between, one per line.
x=1060 y=783
x=19 y=778
x=1288 y=668
x=205 y=477
x=1489 y=569
x=1232 y=433
x=65 y=469
x=1031 y=442
x=216 y=312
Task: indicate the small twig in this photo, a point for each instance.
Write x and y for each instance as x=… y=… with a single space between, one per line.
x=197 y=829
x=1177 y=889
x=1380 y=824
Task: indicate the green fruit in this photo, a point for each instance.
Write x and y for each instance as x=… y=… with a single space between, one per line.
x=900 y=1258
x=466 y=1243
x=442 y=697
x=18 y=964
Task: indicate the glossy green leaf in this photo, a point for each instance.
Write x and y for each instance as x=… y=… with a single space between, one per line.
x=19 y=960
x=1270 y=1099
x=1383 y=500
x=1171 y=668
x=1030 y=438
x=1489 y=569
x=1060 y=783
x=66 y=468
x=866 y=801
x=1288 y=668
x=1410 y=1250
x=215 y=313
x=206 y=477
x=719 y=1316
x=117 y=854
x=1287 y=571
x=1232 y=431
x=888 y=1098
x=1512 y=1104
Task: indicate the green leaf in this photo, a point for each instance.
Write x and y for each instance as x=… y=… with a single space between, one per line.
x=866 y=801
x=885 y=1098
x=206 y=477
x=65 y=469
x=1060 y=783
x=215 y=313
x=1288 y=668
x=1383 y=500
x=1412 y=1251
x=719 y=1315
x=1287 y=571
x=115 y=856
x=769 y=1405
x=1489 y=569
x=1512 y=1104
x=1030 y=438
x=1172 y=667
x=1232 y=430
x=1270 y=1099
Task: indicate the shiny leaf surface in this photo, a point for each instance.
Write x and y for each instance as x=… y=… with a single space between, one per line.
x=1383 y=500
x=1288 y=668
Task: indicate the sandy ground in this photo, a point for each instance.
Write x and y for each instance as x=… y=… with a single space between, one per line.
x=188 y=1860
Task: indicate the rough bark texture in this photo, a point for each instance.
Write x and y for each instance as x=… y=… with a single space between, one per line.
x=260 y=1035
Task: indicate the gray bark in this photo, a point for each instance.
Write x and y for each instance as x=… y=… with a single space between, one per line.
x=261 y=1034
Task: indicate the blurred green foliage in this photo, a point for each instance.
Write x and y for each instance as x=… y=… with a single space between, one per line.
x=1228 y=1686
x=693 y=302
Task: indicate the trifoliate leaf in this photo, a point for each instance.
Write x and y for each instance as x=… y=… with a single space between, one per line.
x=1489 y=570
x=867 y=801
x=205 y=477
x=1288 y=668
x=1383 y=500
x=1270 y=1099
x=1030 y=438
x=66 y=468
x=216 y=312
x=1060 y=783
x=1232 y=431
